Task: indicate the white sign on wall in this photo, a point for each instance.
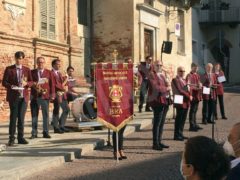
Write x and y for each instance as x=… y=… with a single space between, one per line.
x=177 y=29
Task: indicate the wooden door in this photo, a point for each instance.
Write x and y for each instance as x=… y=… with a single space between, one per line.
x=148 y=43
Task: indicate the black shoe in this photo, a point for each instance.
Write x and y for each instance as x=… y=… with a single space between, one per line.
x=11 y=143
x=199 y=128
x=164 y=146
x=184 y=137
x=33 y=137
x=224 y=117
x=115 y=156
x=22 y=141
x=211 y=122
x=46 y=135
x=157 y=147
x=139 y=110
x=204 y=122
x=178 y=139
x=148 y=110
x=193 y=129
x=64 y=129
x=58 y=131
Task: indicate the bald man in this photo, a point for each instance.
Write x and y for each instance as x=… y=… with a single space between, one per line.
x=234 y=150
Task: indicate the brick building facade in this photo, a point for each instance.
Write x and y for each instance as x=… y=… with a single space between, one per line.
x=47 y=28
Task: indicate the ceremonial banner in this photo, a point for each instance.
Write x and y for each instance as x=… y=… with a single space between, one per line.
x=114 y=90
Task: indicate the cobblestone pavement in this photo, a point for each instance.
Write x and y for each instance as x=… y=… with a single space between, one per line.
x=143 y=162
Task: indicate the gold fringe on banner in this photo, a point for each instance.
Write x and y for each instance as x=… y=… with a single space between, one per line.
x=110 y=126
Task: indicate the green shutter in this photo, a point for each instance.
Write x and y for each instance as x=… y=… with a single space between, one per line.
x=51 y=19
x=43 y=18
x=82 y=12
x=48 y=19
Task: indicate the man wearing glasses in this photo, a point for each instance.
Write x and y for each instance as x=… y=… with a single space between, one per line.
x=180 y=88
x=41 y=93
x=17 y=79
x=144 y=69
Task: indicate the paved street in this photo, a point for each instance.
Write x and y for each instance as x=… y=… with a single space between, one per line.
x=143 y=162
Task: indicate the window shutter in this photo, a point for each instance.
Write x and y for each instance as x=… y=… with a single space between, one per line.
x=51 y=19
x=82 y=12
x=43 y=18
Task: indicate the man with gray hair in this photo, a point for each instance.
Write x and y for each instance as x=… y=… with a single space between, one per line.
x=209 y=82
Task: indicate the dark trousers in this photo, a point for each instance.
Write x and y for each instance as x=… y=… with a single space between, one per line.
x=120 y=139
x=158 y=123
x=193 y=114
x=180 y=121
x=35 y=105
x=60 y=122
x=143 y=92
x=208 y=111
x=71 y=97
x=17 y=112
x=221 y=104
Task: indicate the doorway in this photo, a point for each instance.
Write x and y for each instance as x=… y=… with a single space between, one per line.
x=148 y=42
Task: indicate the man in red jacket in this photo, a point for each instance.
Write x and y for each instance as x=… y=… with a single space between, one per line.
x=220 y=91
x=60 y=94
x=17 y=79
x=193 y=79
x=157 y=99
x=180 y=87
x=209 y=100
x=41 y=93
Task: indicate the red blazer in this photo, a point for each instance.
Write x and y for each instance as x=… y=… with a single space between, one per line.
x=157 y=91
x=48 y=86
x=144 y=72
x=179 y=88
x=58 y=85
x=206 y=82
x=10 y=78
x=220 y=90
x=194 y=79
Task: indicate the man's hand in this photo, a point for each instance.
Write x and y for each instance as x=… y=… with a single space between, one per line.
x=191 y=98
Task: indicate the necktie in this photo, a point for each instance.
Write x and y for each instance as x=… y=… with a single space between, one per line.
x=19 y=74
x=40 y=74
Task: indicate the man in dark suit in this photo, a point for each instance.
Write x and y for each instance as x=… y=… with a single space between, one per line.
x=180 y=87
x=209 y=100
x=17 y=79
x=60 y=94
x=232 y=148
x=41 y=93
x=157 y=99
x=144 y=70
x=193 y=79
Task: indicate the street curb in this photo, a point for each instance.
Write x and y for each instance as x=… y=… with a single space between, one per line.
x=82 y=149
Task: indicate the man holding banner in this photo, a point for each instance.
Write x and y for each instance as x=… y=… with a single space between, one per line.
x=114 y=84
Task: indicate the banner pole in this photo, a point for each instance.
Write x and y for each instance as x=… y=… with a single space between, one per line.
x=117 y=145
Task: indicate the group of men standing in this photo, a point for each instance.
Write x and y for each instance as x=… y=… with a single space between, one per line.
x=46 y=86
x=187 y=93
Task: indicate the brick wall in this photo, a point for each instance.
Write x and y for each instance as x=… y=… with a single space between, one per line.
x=22 y=34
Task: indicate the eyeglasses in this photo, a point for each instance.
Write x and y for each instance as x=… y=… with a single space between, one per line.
x=158 y=65
x=181 y=71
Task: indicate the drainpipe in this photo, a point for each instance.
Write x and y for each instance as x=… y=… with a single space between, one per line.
x=69 y=35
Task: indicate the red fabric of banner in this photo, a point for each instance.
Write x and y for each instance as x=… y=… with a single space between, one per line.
x=114 y=90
